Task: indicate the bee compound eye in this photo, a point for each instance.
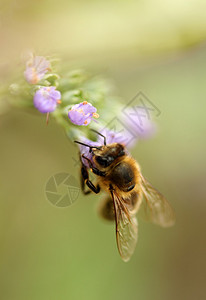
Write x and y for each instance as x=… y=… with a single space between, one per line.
x=101 y=160
x=104 y=161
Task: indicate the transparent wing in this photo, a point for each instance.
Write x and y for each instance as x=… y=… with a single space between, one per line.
x=126 y=227
x=158 y=208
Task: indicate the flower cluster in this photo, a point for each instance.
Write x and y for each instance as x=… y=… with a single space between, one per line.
x=73 y=100
x=46 y=98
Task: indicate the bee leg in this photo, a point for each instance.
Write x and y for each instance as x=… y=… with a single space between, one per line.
x=98 y=172
x=94 y=170
x=111 y=188
x=84 y=174
x=106 y=208
x=95 y=189
x=85 y=179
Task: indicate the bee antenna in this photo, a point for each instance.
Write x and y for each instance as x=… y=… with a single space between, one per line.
x=83 y=144
x=101 y=135
x=91 y=147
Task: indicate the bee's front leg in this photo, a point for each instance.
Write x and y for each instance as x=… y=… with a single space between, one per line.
x=94 y=170
x=85 y=180
x=84 y=174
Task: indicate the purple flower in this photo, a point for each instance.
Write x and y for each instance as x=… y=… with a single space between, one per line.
x=85 y=150
x=82 y=113
x=36 y=68
x=139 y=123
x=46 y=99
x=113 y=137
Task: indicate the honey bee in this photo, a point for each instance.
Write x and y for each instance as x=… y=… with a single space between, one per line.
x=120 y=176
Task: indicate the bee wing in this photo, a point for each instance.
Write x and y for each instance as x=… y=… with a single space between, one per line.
x=158 y=208
x=126 y=227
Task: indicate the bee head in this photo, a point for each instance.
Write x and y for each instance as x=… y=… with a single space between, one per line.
x=105 y=155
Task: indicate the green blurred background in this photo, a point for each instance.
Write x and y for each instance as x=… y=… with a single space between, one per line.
x=157 y=47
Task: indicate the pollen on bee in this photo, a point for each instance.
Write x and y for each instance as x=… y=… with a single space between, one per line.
x=59 y=101
x=85 y=122
x=84 y=103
